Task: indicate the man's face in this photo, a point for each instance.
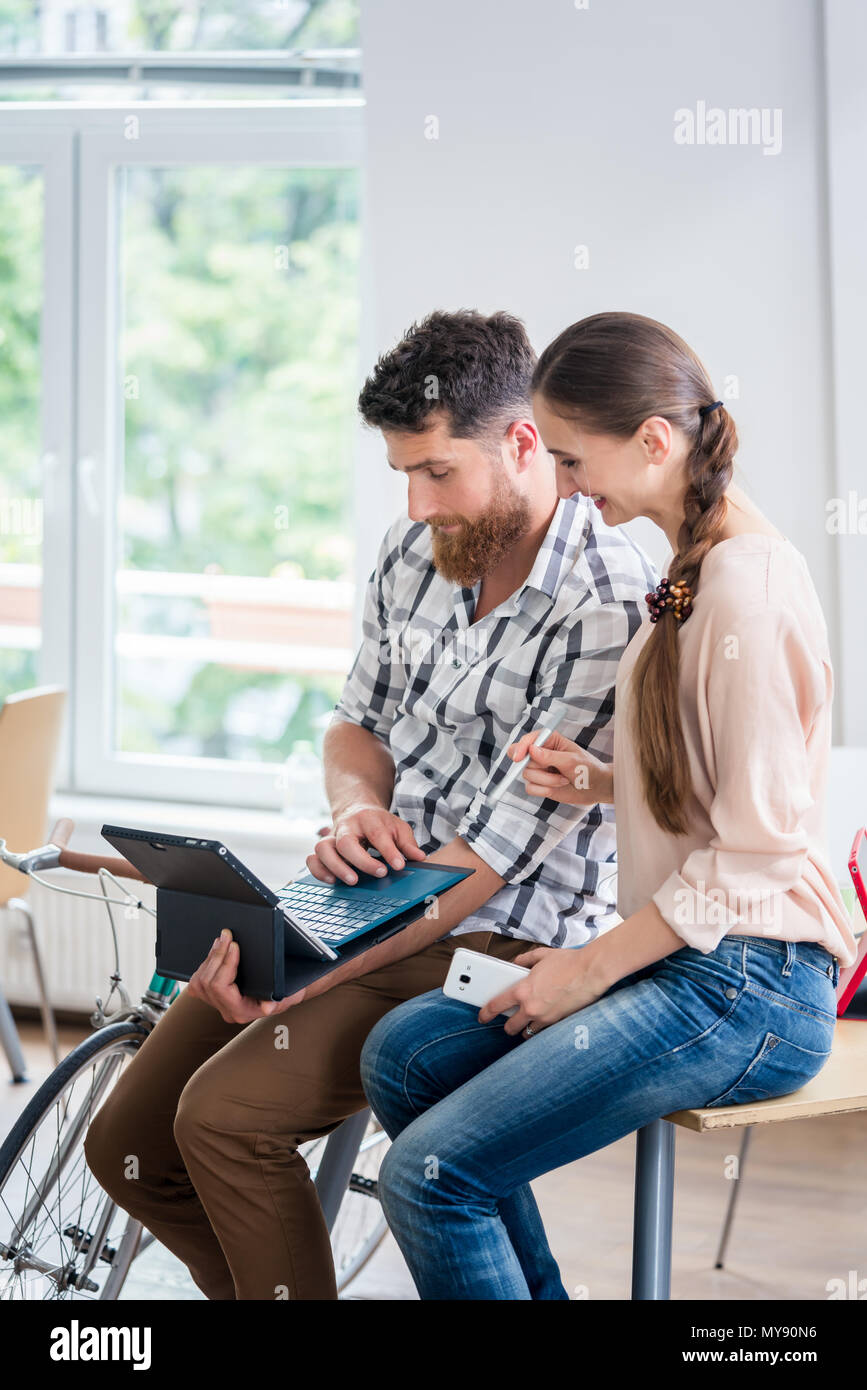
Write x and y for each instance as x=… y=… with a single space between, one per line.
x=464 y=489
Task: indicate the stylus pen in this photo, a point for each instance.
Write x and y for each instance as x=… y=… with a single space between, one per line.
x=517 y=768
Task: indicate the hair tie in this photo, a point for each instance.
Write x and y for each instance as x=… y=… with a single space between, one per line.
x=706 y=409
x=677 y=597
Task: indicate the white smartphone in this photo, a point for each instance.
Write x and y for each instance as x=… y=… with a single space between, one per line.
x=475 y=978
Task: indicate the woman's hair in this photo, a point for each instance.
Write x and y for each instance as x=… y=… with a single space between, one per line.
x=609 y=373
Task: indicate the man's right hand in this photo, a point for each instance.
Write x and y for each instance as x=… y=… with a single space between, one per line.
x=338 y=854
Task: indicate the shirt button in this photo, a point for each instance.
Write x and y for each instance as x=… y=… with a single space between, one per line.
x=456 y=662
x=428 y=772
x=731 y=993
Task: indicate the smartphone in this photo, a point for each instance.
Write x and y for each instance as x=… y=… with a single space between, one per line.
x=475 y=978
x=851 y=977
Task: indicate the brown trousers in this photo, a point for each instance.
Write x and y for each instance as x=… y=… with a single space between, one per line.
x=214 y=1113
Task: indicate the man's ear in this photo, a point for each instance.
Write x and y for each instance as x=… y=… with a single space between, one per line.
x=522 y=438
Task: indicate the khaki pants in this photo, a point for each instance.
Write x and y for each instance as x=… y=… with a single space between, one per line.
x=214 y=1113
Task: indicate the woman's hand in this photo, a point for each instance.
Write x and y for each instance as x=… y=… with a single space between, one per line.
x=214 y=981
x=560 y=982
x=563 y=771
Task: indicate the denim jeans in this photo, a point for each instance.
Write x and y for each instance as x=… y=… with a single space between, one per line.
x=475 y=1114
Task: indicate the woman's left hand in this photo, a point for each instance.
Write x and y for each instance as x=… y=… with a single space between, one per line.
x=560 y=982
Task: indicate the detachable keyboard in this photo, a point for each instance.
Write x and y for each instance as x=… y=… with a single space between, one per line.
x=334 y=918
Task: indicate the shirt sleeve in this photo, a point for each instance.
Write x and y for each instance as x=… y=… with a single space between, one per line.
x=515 y=833
x=763 y=694
x=377 y=679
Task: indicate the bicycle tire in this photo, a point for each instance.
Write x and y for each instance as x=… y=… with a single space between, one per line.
x=106 y=1040
x=131 y=1243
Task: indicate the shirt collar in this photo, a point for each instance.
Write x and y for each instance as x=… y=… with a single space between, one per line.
x=561 y=545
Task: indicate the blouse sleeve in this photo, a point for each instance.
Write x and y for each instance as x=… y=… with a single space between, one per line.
x=763 y=693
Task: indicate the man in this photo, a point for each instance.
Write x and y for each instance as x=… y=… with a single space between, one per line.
x=494 y=608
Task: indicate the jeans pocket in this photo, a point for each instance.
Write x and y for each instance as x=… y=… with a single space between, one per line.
x=778 y=1068
x=827 y=969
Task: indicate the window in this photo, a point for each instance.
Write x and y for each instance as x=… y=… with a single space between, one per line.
x=179 y=344
x=21 y=504
x=234 y=563
x=143 y=49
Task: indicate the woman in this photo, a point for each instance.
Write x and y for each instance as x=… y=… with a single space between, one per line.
x=719 y=985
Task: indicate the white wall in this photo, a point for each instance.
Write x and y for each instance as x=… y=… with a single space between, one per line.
x=846 y=48
x=556 y=127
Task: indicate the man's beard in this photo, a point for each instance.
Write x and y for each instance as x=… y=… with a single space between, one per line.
x=478 y=547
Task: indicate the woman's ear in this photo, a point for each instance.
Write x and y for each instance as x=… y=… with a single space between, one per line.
x=657 y=438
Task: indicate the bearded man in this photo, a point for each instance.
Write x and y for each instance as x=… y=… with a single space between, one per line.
x=494 y=609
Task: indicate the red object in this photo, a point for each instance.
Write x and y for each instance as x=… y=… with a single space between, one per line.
x=851 y=977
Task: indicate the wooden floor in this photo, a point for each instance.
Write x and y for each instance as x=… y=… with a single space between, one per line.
x=801 y=1222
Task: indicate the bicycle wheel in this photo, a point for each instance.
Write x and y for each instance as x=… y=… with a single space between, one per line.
x=360 y=1224
x=61 y=1235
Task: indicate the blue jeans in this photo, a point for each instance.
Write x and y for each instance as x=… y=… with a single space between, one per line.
x=475 y=1114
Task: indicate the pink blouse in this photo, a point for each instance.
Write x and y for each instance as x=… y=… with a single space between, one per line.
x=755 y=705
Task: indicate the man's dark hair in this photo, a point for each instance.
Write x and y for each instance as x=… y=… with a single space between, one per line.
x=473 y=368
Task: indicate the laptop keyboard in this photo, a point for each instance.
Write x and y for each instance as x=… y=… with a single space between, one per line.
x=333 y=918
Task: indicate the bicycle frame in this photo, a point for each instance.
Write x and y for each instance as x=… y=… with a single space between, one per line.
x=160 y=991
x=334 y=1177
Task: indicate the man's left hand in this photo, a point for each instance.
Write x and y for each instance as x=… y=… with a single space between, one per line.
x=214 y=981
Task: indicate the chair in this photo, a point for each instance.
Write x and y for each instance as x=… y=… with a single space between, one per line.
x=30 y=724
x=840 y=1088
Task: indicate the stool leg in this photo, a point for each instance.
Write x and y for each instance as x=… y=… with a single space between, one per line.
x=44 y=1002
x=733 y=1198
x=338 y=1160
x=654 y=1204
x=10 y=1042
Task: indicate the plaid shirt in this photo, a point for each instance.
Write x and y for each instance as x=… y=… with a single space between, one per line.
x=447 y=696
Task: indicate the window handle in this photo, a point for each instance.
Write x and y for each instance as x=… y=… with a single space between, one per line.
x=87 y=483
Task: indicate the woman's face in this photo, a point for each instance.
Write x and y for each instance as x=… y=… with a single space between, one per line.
x=620 y=475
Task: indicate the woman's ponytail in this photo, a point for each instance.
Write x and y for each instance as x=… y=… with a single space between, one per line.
x=614 y=371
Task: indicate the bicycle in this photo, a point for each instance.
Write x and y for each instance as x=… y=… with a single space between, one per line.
x=61 y=1235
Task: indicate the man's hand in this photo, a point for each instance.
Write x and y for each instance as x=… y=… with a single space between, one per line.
x=214 y=981
x=559 y=983
x=338 y=855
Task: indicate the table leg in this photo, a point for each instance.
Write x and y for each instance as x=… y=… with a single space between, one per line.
x=654 y=1204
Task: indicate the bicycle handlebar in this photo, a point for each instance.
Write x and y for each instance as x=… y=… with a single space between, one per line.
x=55 y=855
x=90 y=863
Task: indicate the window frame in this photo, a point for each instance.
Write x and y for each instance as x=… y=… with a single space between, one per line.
x=80 y=149
x=47 y=145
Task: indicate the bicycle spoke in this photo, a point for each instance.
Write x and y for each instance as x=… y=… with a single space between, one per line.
x=49 y=1191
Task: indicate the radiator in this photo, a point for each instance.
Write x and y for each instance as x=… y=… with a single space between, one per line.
x=75 y=941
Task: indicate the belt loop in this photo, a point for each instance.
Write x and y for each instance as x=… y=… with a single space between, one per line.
x=790 y=958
